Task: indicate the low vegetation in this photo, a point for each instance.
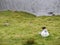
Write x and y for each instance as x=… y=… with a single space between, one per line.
x=18 y=27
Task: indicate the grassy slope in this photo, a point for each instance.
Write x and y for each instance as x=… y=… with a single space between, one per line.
x=24 y=26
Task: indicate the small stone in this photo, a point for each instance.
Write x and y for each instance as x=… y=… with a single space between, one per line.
x=6 y=24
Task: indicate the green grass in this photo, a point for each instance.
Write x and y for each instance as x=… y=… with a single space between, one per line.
x=23 y=26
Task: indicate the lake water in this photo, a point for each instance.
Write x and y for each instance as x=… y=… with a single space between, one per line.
x=37 y=7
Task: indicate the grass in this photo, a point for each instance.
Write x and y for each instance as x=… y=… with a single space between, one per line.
x=23 y=26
